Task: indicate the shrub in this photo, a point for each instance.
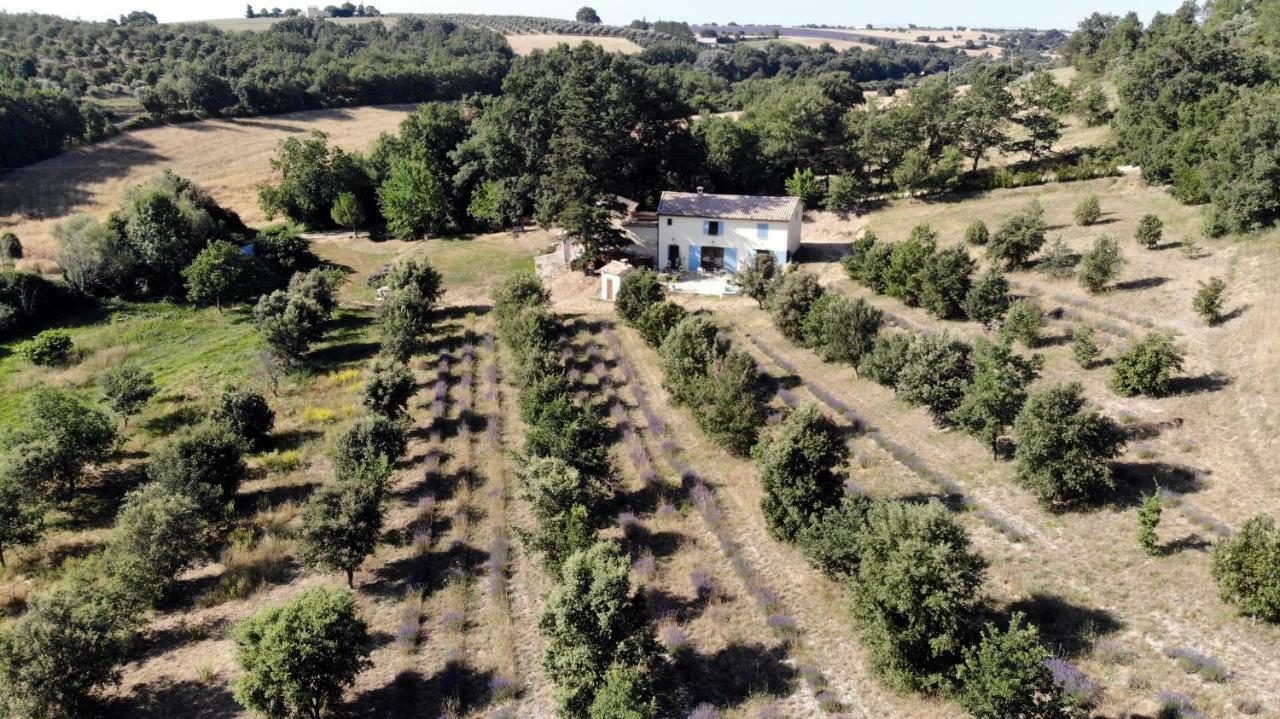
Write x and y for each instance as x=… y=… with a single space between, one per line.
x=1208 y=300
x=1101 y=264
x=1064 y=447
x=1150 y=230
x=1020 y=237
x=1005 y=676
x=593 y=621
x=805 y=185
x=640 y=290
x=934 y=373
x=1084 y=346
x=732 y=409
x=801 y=470
x=627 y=692
x=245 y=413
x=127 y=388
x=10 y=248
x=997 y=392
x=1088 y=211
x=341 y=523
x=1246 y=567
x=389 y=387
x=914 y=592
x=372 y=442
x=658 y=320
x=347 y=212
x=49 y=348
x=283 y=250
x=687 y=355
x=790 y=301
x=1145 y=367
x=1148 y=520
x=566 y=508
x=162 y=529
x=988 y=299
x=977 y=233
x=1023 y=322
x=299 y=656
x=206 y=463
x=885 y=360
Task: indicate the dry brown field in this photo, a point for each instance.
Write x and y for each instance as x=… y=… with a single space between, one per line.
x=524 y=44
x=229 y=158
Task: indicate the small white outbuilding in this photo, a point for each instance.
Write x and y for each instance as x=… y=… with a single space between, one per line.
x=611 y=278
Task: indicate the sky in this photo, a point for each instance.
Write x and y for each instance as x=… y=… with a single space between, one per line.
x=938 y=13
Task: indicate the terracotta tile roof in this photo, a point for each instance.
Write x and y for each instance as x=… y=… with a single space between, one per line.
x=729 y=207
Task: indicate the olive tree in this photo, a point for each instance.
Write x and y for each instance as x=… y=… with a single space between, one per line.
x=1145 y=367
x=127 y=388
x=299 y=656
x=220 y=272
x=1088 y=211
x=1101 y=264
x=59 y=436
x=162 y=528
x=1064 y=447
x=993 y=398
x=389 y=387
x=1005 y=675
x=843 y=329
x=205 y=463
x=245 y=413
x=1150 y=230
x=686 y=357
x=914 y=592
x=988 y=298
x=935 y=371
x=641 y=288
x=1020 y=237
x=341 y=523
x=790 y=300
x=1023 y=322
x=801 y=470
x=658 y=320
x=756 y=279
x=732 y=408
x=1246 y=567
x=566 y=508
x=21 y=515
x=593 y=621
x=1208 y=300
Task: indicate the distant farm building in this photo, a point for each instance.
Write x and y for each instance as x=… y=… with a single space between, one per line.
x=701 y=232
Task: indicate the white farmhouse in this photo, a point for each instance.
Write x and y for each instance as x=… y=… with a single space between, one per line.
x=723 y=233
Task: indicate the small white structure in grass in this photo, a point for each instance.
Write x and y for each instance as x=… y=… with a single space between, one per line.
x=611 y=278
x=704 y=233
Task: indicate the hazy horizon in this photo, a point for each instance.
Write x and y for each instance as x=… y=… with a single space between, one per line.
x=936 y=13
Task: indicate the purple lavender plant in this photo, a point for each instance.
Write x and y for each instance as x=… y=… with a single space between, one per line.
x=1076 y=688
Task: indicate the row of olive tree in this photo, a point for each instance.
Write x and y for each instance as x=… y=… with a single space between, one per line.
x=603 y=654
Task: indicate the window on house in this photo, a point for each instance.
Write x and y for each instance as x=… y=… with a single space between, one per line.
x=668 y=222
x=762 y=231
x=713 y=227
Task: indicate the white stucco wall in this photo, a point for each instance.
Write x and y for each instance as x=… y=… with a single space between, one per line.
x=783 y=238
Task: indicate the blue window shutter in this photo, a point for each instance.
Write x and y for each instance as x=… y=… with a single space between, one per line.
x=762 y=231
x=706 y=227
x=780 y=256
x=731 y=259
x=695 y=258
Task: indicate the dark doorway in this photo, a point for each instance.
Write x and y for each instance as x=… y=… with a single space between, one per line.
x=673 y=257
x=713 y=259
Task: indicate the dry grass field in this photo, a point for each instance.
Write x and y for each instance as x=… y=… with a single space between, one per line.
x=227 y=157
x=818 y=42
x=523 y=44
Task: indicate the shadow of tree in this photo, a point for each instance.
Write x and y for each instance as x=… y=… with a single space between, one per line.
x=1067 y=629
x=177 y=700
x=456 y=690
x=1142 y=284
x=1200 y=384
x=735 y=673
